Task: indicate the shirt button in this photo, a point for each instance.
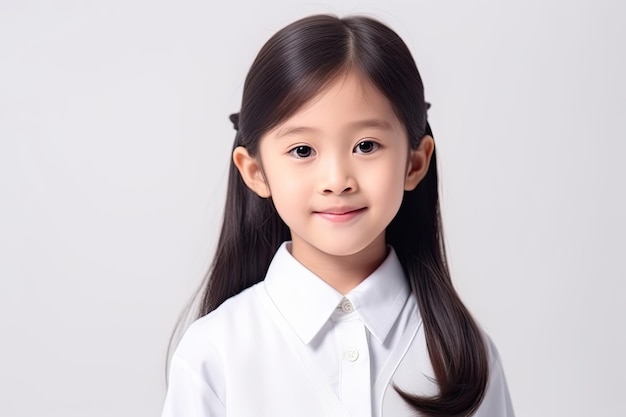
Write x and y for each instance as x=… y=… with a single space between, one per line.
x=352 y=355
x=346 y=306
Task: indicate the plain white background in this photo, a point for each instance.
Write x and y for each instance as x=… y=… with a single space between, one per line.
x=114 y=143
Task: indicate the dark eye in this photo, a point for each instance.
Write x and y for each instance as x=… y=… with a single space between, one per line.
x=301 y=151
x=367 y=146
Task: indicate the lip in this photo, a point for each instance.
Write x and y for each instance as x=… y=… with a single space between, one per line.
x=340 y=214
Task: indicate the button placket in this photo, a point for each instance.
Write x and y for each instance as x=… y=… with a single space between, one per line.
x=351 y=355
x=355 y=363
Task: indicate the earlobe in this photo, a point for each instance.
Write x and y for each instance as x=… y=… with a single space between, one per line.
x=251 y=172
x=419 y=161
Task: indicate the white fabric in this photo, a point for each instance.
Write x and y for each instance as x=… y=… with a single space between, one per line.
x=293 y=345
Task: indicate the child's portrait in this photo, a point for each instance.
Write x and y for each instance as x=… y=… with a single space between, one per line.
x=315 y=209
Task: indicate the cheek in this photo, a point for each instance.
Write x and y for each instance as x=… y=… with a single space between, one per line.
x=388 y=178
x=387 y=191
x=283 y=182
x=392 y=190
x=289 y=190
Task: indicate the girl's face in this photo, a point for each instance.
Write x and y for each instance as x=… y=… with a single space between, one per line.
x=336 y=171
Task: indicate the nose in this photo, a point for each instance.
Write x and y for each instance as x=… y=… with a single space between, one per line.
x=337 y=177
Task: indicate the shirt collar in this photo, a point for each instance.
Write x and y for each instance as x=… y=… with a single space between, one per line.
x=307 y=302
x=380 y=298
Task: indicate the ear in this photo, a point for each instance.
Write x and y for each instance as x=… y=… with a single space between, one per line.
x=251 y=172
x=419 y=161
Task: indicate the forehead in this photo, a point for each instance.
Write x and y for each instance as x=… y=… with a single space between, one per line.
x=350 y=99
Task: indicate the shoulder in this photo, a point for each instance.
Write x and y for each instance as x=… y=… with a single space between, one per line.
x=230 y=319
x=497 y=400
x=208 y=347
x=199 y=367
x=492 y=352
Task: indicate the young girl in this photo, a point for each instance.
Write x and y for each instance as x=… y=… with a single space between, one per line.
x=329 y=294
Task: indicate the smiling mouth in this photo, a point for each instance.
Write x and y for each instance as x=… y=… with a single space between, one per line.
x=341 y=214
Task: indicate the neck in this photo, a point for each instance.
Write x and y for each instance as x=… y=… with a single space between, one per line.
x=342 y=272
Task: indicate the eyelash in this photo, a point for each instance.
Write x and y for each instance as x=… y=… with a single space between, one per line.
x=294 y=151
x=375 y=146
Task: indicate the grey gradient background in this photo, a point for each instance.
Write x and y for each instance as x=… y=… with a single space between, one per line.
x=114 y=143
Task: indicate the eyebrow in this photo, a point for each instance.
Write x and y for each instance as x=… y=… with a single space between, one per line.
x=360 y=124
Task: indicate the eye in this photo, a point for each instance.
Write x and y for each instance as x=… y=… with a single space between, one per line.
x=366 y=146
x=301 y=152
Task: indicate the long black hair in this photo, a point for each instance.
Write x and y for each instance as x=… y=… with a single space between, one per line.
x=291 y=68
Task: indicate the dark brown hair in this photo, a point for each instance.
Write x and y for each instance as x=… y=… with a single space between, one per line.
x=291 y=68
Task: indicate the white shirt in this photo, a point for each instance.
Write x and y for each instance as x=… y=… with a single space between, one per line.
x=293 y=345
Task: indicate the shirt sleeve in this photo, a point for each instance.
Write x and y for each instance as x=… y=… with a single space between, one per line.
x=497 y=401
x=189 y=395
